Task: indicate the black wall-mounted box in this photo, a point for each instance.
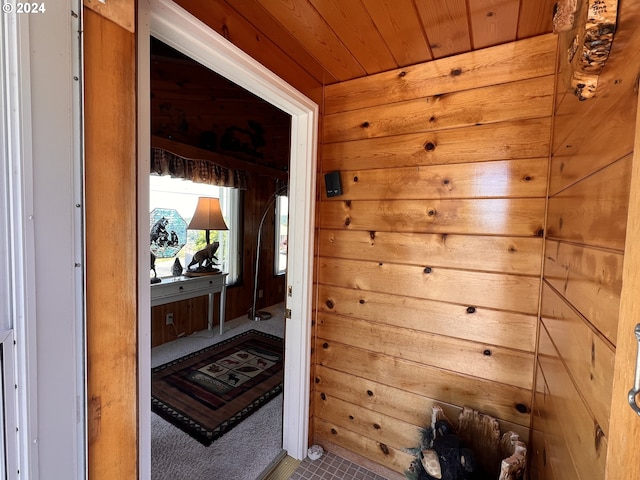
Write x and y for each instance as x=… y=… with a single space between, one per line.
x=333 y=184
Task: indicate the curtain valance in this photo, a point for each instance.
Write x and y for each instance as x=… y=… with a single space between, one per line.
x=164 y=162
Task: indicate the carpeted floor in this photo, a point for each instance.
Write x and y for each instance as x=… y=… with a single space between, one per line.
x=241 y=454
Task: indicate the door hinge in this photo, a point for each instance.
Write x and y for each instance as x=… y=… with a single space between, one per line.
x=287 y=313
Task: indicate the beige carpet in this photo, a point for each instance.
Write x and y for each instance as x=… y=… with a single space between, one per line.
x=245 y=452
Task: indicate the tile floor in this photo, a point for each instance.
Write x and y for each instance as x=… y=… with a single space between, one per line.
x=332 y=467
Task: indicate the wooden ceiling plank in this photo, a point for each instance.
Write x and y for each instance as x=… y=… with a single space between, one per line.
x=493 y=22
x=400 y=26
x=353 y=25
x=446 y=26
x=229 y=23
x=536 y=18
x=262 y=19
x=312 y=31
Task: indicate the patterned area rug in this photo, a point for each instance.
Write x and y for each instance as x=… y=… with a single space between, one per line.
x=208 y=392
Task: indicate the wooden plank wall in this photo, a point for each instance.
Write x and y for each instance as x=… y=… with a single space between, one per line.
x=111 y=276
x=429 y=264
x=588 y=199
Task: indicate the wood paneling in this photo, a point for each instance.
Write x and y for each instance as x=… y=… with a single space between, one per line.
x=497 y=399
x=519 y=100
x=500 y=141
x=588 y=278
x=623 y=447
x=535 y=17
x=522 y=178
x=416 y=408
x=592 y=134
x=390 y=457
x=526 y=59
x=469 y=252
x=493 y=21
x=551 y=456
x=513 y=217
x=585 y=439
x=472 y=358
x=588 y=357
x=447 y=26
x=400 y=28
x=594 y=211
x=476 y=324
x=500 y=291
x=110 y=202
x=355 y=28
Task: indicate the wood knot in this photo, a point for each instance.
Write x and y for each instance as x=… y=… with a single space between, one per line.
x=427 y=270
x=445 y=181
x=351 y=417
x=429 y=146
x=487 y=353
x=323 y=396
x=471 y=309
x=528 y=178
x=330 y=303
x=347 y=222
x=372 y=235
x=347 y=203
x=540 y=232
x=512 y=249
x=456 y=71
x=432 y=119
x=376 y=426
x=317 y=379
x=522 y=408
x=334 y=431
x=325 y=345
x=365 y=125
x=599 y=435
x=402 y=74
x=355 y=179
x=362 y=301
x=370 y=393
x=384 y=449
x=431 y=212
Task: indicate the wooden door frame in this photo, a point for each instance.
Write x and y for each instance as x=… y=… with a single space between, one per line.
x=176 y=27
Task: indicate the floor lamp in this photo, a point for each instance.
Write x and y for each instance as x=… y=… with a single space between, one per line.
x=253 y=313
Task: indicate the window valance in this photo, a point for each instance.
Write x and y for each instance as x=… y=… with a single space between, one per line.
x=164 y=162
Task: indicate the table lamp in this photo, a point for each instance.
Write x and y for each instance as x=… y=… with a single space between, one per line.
x=207 y=217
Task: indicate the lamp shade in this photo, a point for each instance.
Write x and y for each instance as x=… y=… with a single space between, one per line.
x=208 y=215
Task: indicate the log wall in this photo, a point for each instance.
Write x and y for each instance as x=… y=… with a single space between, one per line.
x=429 y=264
x=583 y=260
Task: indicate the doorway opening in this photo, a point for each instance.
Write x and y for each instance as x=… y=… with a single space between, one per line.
x=175 y=27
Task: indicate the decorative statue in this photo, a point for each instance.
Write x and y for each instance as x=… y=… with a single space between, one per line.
x=177 y=268
x=205 y=258
x=155 y=278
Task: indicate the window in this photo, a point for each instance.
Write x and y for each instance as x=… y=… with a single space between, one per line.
x=167 y=193
x=281 y=234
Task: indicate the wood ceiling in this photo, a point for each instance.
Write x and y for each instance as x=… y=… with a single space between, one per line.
x=338 y=40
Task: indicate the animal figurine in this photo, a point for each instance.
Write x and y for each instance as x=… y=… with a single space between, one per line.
x=155 y=278
x=177 y=268
x=205 y=257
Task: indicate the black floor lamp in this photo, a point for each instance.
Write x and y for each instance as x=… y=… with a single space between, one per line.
x=253 y=313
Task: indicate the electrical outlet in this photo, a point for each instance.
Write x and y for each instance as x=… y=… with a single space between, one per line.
x=260 y=293
x=169 y=319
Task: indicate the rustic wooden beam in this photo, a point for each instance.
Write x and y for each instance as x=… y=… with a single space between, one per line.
x=189 y=151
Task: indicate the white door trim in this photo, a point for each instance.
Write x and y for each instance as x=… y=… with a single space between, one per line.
x=179 y=29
